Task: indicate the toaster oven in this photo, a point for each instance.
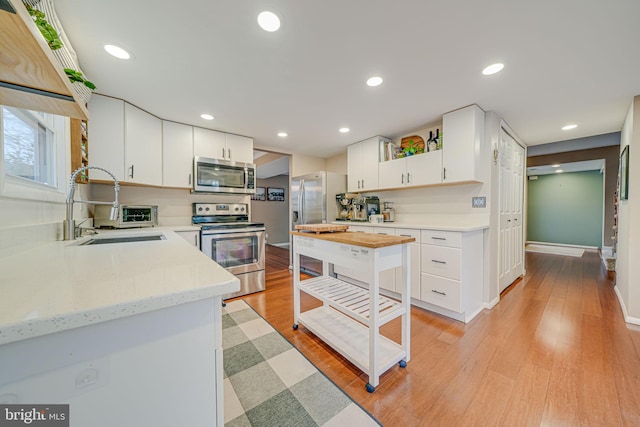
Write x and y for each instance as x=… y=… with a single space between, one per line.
x=129 y=216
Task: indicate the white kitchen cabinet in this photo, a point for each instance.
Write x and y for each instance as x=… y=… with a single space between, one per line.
x=412 y=171
x=219 y=145
x=362 y=164
x=414 y=262
x=239 y=148
x=126 y=141
x=193 y=237
x=463 y=136
x=451 y=266
x=209 y=143
x=142 y=146
x=107 y=136
x=177 y=155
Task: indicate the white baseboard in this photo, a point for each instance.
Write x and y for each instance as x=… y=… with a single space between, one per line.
x=627 y=318
x=281 y=245
x=489 y=305
x=586 y=248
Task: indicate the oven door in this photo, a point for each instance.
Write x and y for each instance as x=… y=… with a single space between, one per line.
x=221 y=176
x=238 y=252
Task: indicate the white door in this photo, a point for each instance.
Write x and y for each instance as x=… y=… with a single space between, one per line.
x=511 y=178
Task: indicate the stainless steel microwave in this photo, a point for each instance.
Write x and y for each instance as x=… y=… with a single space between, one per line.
x=223 y=176
x=129 y=216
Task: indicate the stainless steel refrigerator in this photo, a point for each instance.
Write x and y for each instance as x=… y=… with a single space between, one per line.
x=313 y=201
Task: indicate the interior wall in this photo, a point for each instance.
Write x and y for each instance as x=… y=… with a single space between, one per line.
x=274 y=214
x=338 y=163
x=175 y=206
x=566 y=208
x=301 y=164
x=611 y=156
x=627 y=266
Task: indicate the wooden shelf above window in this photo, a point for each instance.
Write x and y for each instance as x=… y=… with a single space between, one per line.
x=30 y=76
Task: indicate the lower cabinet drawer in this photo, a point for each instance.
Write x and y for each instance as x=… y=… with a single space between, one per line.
x=441 y=261
x=442 y=292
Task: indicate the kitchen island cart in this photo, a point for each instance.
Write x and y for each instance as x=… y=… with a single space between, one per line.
x=351 y=315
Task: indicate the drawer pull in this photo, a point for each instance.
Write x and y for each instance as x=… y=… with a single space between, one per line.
x=438 y=261
x=406 y=235
x=438 y=238
x=439 y=292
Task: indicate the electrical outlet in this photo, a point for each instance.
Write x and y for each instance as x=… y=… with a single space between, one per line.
x=478 y=202
x=87 y=377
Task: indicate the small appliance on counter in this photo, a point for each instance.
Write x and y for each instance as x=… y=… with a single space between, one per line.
x=388 y=212
x=364 y=206
x=129 y=216
x=344 y=204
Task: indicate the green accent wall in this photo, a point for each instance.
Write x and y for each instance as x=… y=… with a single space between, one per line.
x=566 y=208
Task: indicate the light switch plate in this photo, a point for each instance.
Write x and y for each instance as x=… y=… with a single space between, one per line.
x=478 y=202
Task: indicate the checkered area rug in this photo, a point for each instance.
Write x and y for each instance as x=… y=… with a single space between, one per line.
x=267 y=382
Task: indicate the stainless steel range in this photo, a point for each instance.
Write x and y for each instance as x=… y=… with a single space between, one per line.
x=227 y=236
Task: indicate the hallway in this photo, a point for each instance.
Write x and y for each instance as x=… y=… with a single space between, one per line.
x=554 y=351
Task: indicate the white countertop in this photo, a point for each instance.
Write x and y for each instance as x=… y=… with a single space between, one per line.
x=459 y=223
x=62 y=285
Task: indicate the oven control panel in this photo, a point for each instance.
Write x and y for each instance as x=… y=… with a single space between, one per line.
x=220 y=209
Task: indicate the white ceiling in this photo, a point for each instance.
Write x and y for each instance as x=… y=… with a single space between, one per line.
x=570 y=61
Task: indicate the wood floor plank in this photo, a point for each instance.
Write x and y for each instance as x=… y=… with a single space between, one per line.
x=554 y=351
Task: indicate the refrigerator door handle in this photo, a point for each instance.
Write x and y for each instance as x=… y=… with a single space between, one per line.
x=301 y=202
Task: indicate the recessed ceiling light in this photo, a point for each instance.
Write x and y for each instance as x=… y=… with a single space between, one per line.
x=559 y=171
x=492 y=69
x=268 y=21
x=374 y=81
x=343 y=130
x=207 y=116
x=555 y=166
x=569 y=127
x=282 y=134
x=116 y=51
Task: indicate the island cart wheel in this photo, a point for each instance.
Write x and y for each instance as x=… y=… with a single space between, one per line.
x=224 y=304
x=403 y=363
x=295 y=326
x=370 y=388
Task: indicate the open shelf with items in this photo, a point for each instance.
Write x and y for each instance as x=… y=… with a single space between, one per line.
x=79 y=148
x=351 y=316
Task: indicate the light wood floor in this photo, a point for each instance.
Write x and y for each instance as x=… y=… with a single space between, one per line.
x=555 y=352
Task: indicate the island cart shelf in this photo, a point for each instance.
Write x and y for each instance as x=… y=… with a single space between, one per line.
x=351 y=316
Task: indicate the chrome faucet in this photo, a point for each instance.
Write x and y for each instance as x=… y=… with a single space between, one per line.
x=69 y=225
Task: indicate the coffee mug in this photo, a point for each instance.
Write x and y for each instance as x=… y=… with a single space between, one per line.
x=376 y=218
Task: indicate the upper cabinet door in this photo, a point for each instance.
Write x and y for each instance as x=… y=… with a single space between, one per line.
x=463 y=136
x=107 y=137
x=209 y=143
x=143 y=146
x=239 y=148
x=362 y=165
x=177 y=155
x=424 y=169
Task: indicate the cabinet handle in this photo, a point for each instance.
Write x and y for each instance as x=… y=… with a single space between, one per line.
x=363 y=183
x=439 y=292
x=406 y=235
x=223 y=153
x=438 y=238
x=438 y=261
x=402 y=181
x=189 y=180
x=444 y=174
x=408 y=177
x=131 y=174
x=195 y=240
x=229 y=153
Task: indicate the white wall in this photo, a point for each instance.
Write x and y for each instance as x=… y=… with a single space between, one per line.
x=338 y=163
x=627 y=267
x=301 y=164
x=274 y=214
x=174 y=205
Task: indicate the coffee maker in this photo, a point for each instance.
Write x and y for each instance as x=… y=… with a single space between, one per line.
x=364 y=206
x=344 y=203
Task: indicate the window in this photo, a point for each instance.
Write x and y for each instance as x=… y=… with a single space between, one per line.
x=29 y=146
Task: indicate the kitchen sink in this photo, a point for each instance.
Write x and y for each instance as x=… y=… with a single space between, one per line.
x=123 y=239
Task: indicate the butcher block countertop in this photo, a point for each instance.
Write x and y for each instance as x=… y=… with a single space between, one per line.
x=367 y=240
